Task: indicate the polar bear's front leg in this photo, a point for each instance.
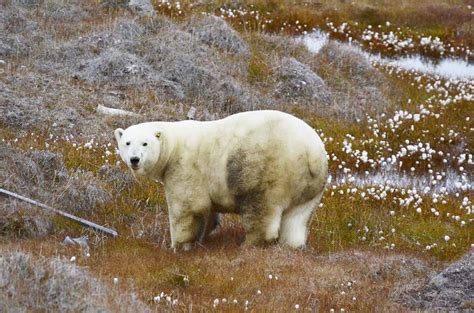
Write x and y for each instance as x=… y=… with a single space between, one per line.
x=186 y=228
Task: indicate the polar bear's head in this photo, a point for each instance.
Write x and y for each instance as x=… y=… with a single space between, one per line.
x=139 y=148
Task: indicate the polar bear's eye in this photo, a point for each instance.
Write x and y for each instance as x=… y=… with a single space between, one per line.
x=128 y=143
x=145 y=144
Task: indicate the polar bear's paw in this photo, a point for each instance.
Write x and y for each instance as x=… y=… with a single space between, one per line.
x=188 y=246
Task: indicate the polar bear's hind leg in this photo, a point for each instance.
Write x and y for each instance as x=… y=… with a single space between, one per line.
x=296 y=221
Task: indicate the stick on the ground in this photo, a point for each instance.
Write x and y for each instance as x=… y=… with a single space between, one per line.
x=79 y=220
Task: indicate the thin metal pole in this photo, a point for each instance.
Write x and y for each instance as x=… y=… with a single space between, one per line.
x=79 y=220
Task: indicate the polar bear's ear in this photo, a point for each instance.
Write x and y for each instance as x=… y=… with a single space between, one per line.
x=118 y=134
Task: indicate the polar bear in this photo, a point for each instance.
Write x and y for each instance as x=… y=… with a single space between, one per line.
x=268 y=166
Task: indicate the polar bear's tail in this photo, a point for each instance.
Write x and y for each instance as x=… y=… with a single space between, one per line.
x=318 y=166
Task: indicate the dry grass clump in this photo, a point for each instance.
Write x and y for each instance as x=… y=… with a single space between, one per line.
x=37 y=283
x=350 y=60
x=43 y=176
x=300 y=83
x=339 y=82
x=115 y=66
x=215 y=31
x=25 y=3
x=51 y=164
x=152 y=227
x=18 y=32
x=20 y=220
x=121 y=180
x=17 y=111
x=114 y=4
x=143 y=7
x=258 y=279
x=154 y=54
x=121 y=68
x=64 y=57
x=357 y=86
x=450 y=289
x=396 y=267
x=71 y=49
x=36 y=102
x=286 y=46
x=64 y=10
x=27 y=174
x=18 y=170
x=180 y=57
x=83 y=191
x=27 y=27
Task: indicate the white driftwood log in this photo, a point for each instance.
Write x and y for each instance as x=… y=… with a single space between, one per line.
x=114 y=112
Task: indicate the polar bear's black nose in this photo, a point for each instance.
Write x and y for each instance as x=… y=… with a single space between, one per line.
x=134 y=160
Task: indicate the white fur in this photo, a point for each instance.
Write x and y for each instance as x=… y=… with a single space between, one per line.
x=295 y=223
x=267 y=165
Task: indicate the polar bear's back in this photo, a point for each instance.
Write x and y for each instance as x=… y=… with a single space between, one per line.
x=274 y=130
x=267 y=123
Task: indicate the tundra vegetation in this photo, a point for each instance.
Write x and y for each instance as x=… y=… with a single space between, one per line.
x=394 y=231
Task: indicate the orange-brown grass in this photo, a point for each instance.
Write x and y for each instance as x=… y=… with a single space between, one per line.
x=199 y=277
x=340 y=224
x=259 y=69
x=65 y=30
x=75 y=155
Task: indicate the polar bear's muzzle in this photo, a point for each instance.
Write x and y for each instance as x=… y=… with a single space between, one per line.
x=134 y=163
